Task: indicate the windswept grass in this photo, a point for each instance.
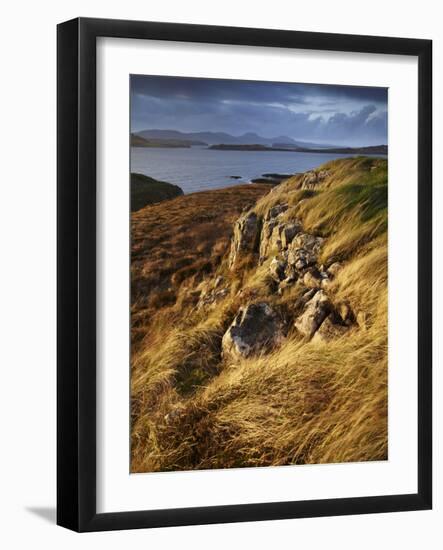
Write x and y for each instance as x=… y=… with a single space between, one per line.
x=302 y=403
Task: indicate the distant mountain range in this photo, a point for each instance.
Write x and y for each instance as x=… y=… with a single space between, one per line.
x=370 y=150
x=215 y=138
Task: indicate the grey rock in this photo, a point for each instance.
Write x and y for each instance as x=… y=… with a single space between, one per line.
x=257 y=328
x=303 y=250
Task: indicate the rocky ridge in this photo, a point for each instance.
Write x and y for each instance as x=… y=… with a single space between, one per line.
x=278 y=240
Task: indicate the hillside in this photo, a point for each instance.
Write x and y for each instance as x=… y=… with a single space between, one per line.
x=139 y=141
x=259 y=323
x=212 y=138
x=146 y=190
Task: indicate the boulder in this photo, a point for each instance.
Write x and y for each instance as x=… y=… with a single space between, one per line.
x=329 y=330
x=314 y=313
x=245 y=238
x=257 y=328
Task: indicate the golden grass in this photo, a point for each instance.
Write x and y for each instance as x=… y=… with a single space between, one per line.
x=302 y=403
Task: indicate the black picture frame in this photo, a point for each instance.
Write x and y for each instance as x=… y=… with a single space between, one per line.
x=76 y=294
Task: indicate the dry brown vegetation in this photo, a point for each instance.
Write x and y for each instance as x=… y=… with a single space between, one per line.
x=303 y=402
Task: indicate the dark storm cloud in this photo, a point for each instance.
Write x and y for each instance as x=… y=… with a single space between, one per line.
x=341 y=114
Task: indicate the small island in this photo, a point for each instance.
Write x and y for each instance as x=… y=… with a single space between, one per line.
x=146 y=190
x=369 y=150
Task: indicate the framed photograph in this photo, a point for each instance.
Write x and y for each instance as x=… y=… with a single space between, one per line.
x=244 y=274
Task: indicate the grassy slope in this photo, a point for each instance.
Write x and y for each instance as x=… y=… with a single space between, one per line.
x=304 y=402
x=146 y=190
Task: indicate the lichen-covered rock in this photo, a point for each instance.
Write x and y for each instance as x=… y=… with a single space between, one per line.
x=257 y=328
x=276 y=237
x=277 y=234
x=303 y=250
x=245 y=238
x=329 y=330
x=314 y=313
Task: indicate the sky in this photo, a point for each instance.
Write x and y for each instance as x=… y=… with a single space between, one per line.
x=338 y=115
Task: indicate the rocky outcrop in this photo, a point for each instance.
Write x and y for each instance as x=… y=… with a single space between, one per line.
x=276 y=234
x=245 y=238
x=257 y=328
x=295 y=253
x=304 y=250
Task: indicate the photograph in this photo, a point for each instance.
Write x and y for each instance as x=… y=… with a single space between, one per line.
x=259 y=273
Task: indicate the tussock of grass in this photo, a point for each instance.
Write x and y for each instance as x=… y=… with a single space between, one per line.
x=302 y=403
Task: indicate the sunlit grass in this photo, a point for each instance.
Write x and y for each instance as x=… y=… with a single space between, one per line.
x=303 y=402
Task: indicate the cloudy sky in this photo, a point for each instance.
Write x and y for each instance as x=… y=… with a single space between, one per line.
x=342 y=115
